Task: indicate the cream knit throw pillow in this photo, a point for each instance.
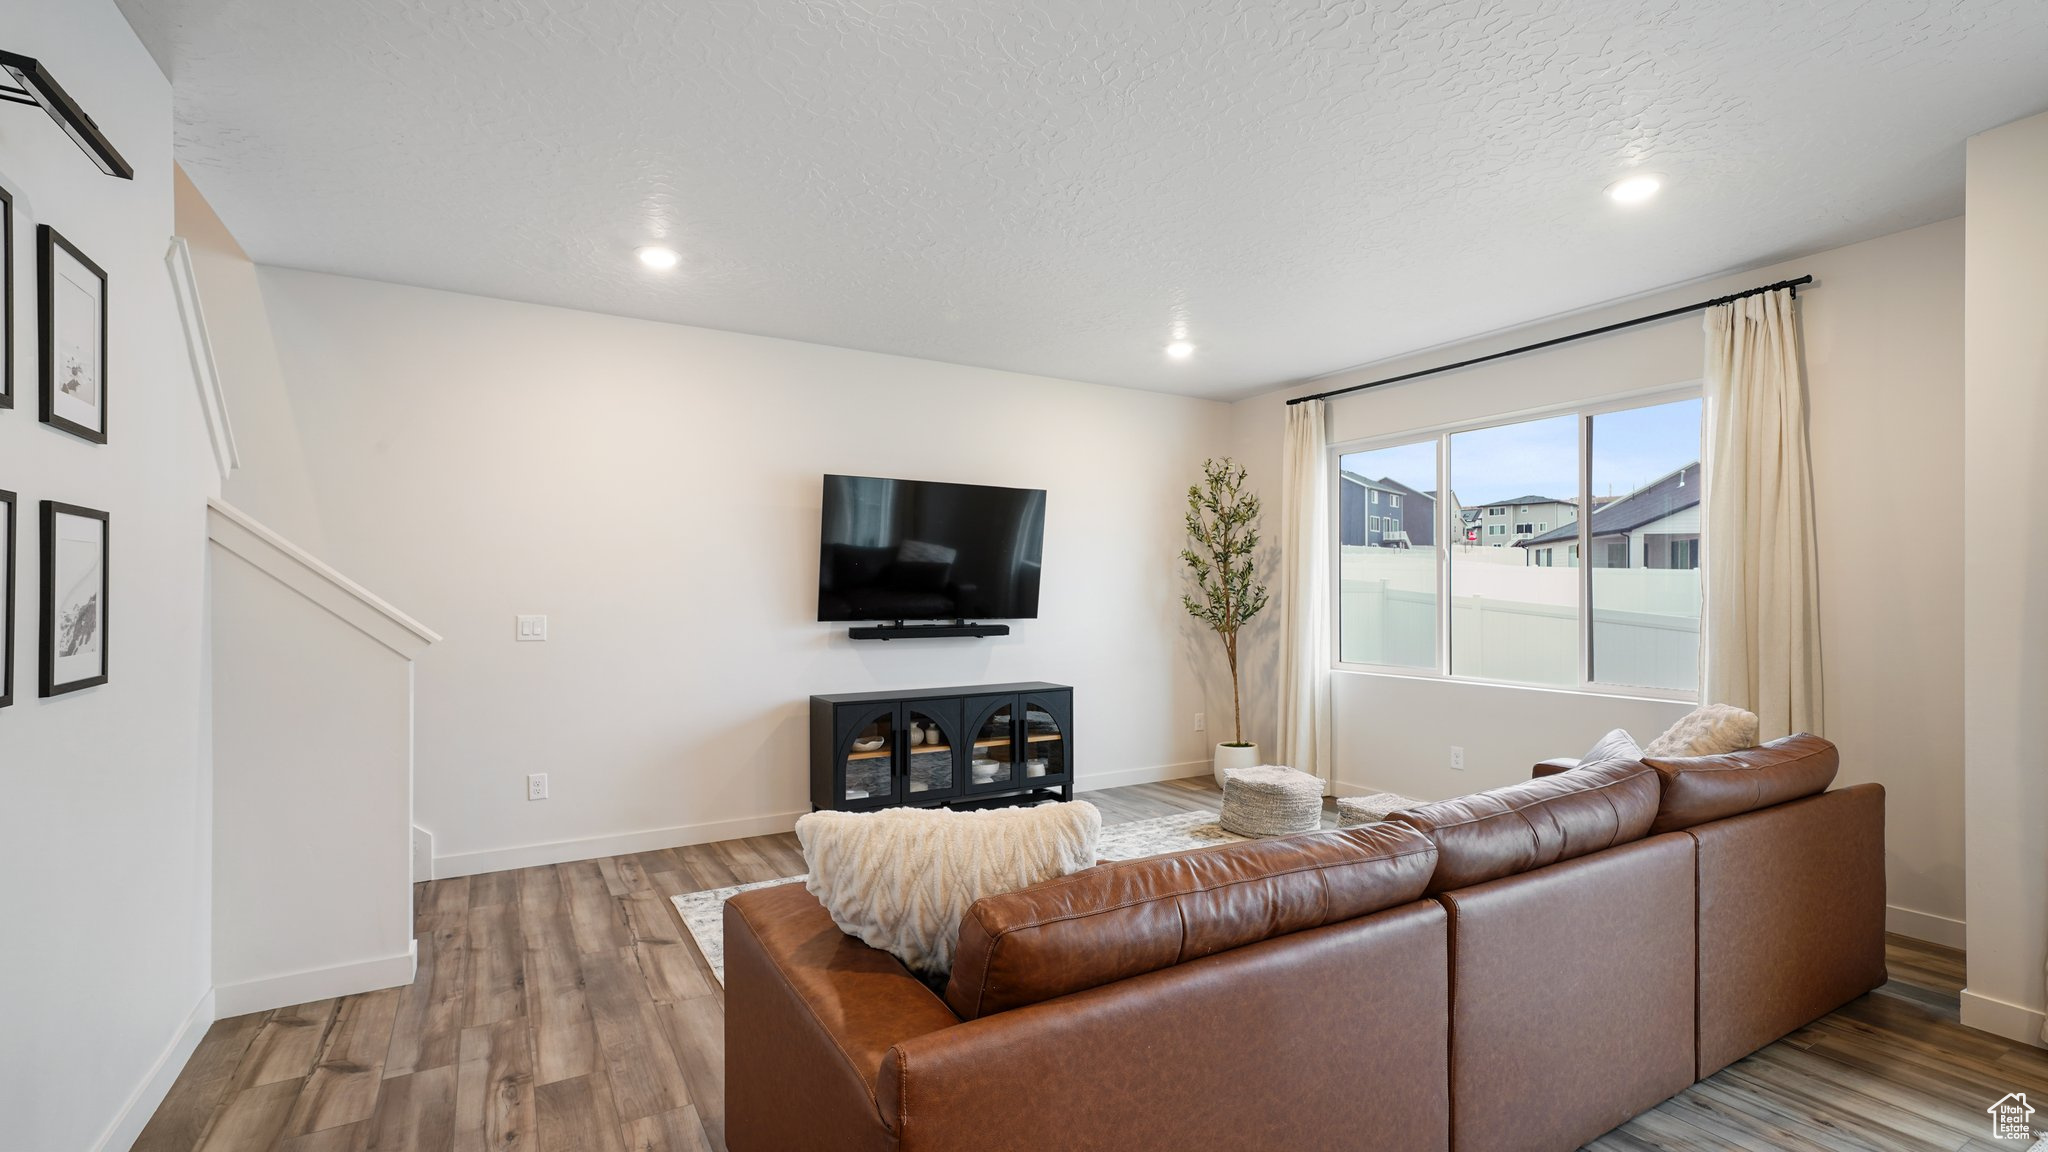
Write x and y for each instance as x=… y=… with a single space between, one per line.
x=901 y=878
x=1708 y=730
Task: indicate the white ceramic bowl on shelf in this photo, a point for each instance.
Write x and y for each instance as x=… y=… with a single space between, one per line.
x=869 y=745
x=984 y=771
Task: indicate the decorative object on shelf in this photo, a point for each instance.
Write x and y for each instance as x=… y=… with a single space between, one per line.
x=1035 y=767
x=916 y=735
x=29 y=83
x=984 y=771
x=1223 y=536
x=869 y=745
x=6 y=299
x=1268 y=800
x=7 y=537
x=71 y=298
x=74 y=615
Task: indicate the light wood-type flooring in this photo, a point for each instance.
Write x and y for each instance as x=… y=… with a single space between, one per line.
x=564 y=1009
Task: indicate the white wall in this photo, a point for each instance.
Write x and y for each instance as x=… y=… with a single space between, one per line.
x=654 y=490
x=2005 y=577
x=103 y=837
x=270 y=483
x=312 y=878
x=1883 y=329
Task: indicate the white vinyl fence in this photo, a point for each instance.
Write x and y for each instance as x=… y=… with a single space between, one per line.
x=1511 y=622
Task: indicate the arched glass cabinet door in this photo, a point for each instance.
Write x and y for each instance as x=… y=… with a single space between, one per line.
x=933 y=752
x=867 y=759
x=1048 y=728
x=992 y=758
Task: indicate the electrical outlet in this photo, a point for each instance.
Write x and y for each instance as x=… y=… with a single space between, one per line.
x=532 y=628
x=1201 y=722
x=537 y=786
x=1457 y=758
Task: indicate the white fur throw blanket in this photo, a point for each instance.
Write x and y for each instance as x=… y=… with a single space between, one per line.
x=1708 y=730
x=901 y=878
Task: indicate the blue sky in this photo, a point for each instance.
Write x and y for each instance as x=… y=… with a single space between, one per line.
x=1540 y=457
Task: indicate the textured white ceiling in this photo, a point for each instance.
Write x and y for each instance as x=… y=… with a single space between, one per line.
x=1050 y=185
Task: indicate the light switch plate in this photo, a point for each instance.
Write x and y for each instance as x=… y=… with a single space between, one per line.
x=534 y=628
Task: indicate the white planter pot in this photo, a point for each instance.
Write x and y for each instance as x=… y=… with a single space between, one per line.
x=1228 y=757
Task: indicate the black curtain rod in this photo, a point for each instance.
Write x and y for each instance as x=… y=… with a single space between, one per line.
x=1617 y=326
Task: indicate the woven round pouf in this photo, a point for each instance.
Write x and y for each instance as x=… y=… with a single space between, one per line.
x=1271 y=801
x=1355 y=810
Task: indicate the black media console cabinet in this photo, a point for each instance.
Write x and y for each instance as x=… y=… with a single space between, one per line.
x=975 y=747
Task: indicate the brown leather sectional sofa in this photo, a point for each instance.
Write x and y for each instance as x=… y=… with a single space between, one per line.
x=1517 y=969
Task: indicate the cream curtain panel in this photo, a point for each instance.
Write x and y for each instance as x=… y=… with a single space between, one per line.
x=1305 y=594
x=1763 y=572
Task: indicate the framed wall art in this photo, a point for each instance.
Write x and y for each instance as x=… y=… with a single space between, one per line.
x=7 y=537
x=74 y=615
x=71 y=298
x=6 y=299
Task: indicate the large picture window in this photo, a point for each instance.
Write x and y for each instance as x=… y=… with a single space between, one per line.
x=1565 y=551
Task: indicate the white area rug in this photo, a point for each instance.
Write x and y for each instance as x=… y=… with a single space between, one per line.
x=704 y=912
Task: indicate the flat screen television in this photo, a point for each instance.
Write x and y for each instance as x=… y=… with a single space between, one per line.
x=921 y=550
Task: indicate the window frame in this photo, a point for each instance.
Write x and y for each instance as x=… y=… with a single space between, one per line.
x=1447 y=524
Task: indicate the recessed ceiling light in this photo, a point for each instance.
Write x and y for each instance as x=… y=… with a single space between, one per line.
x=661 y=258
x=1180 y=349
x=1635 y=189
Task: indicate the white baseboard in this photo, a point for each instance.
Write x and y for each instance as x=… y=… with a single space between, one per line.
x=148 y=1095
x=2003 y=1018
x=654 y=839
x=1924 y=926
x=1097 y=781
x=316 y=984
x=1350 y=788
x=590 y=848
x=422 y=854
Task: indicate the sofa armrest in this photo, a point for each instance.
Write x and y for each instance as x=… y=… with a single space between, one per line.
x=809 y=1013
x=1554 y=766
x=1791 y=911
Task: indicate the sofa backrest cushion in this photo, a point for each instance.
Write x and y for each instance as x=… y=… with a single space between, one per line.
x=1702 y=788
x=1120 y=920
x=1488 y=835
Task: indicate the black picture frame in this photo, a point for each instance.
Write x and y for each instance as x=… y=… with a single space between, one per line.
x=6 y=299
x=54 y=602
x=49 y=242
x=7 y=549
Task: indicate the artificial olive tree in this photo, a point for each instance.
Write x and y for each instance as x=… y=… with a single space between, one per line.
x=1223 y=533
